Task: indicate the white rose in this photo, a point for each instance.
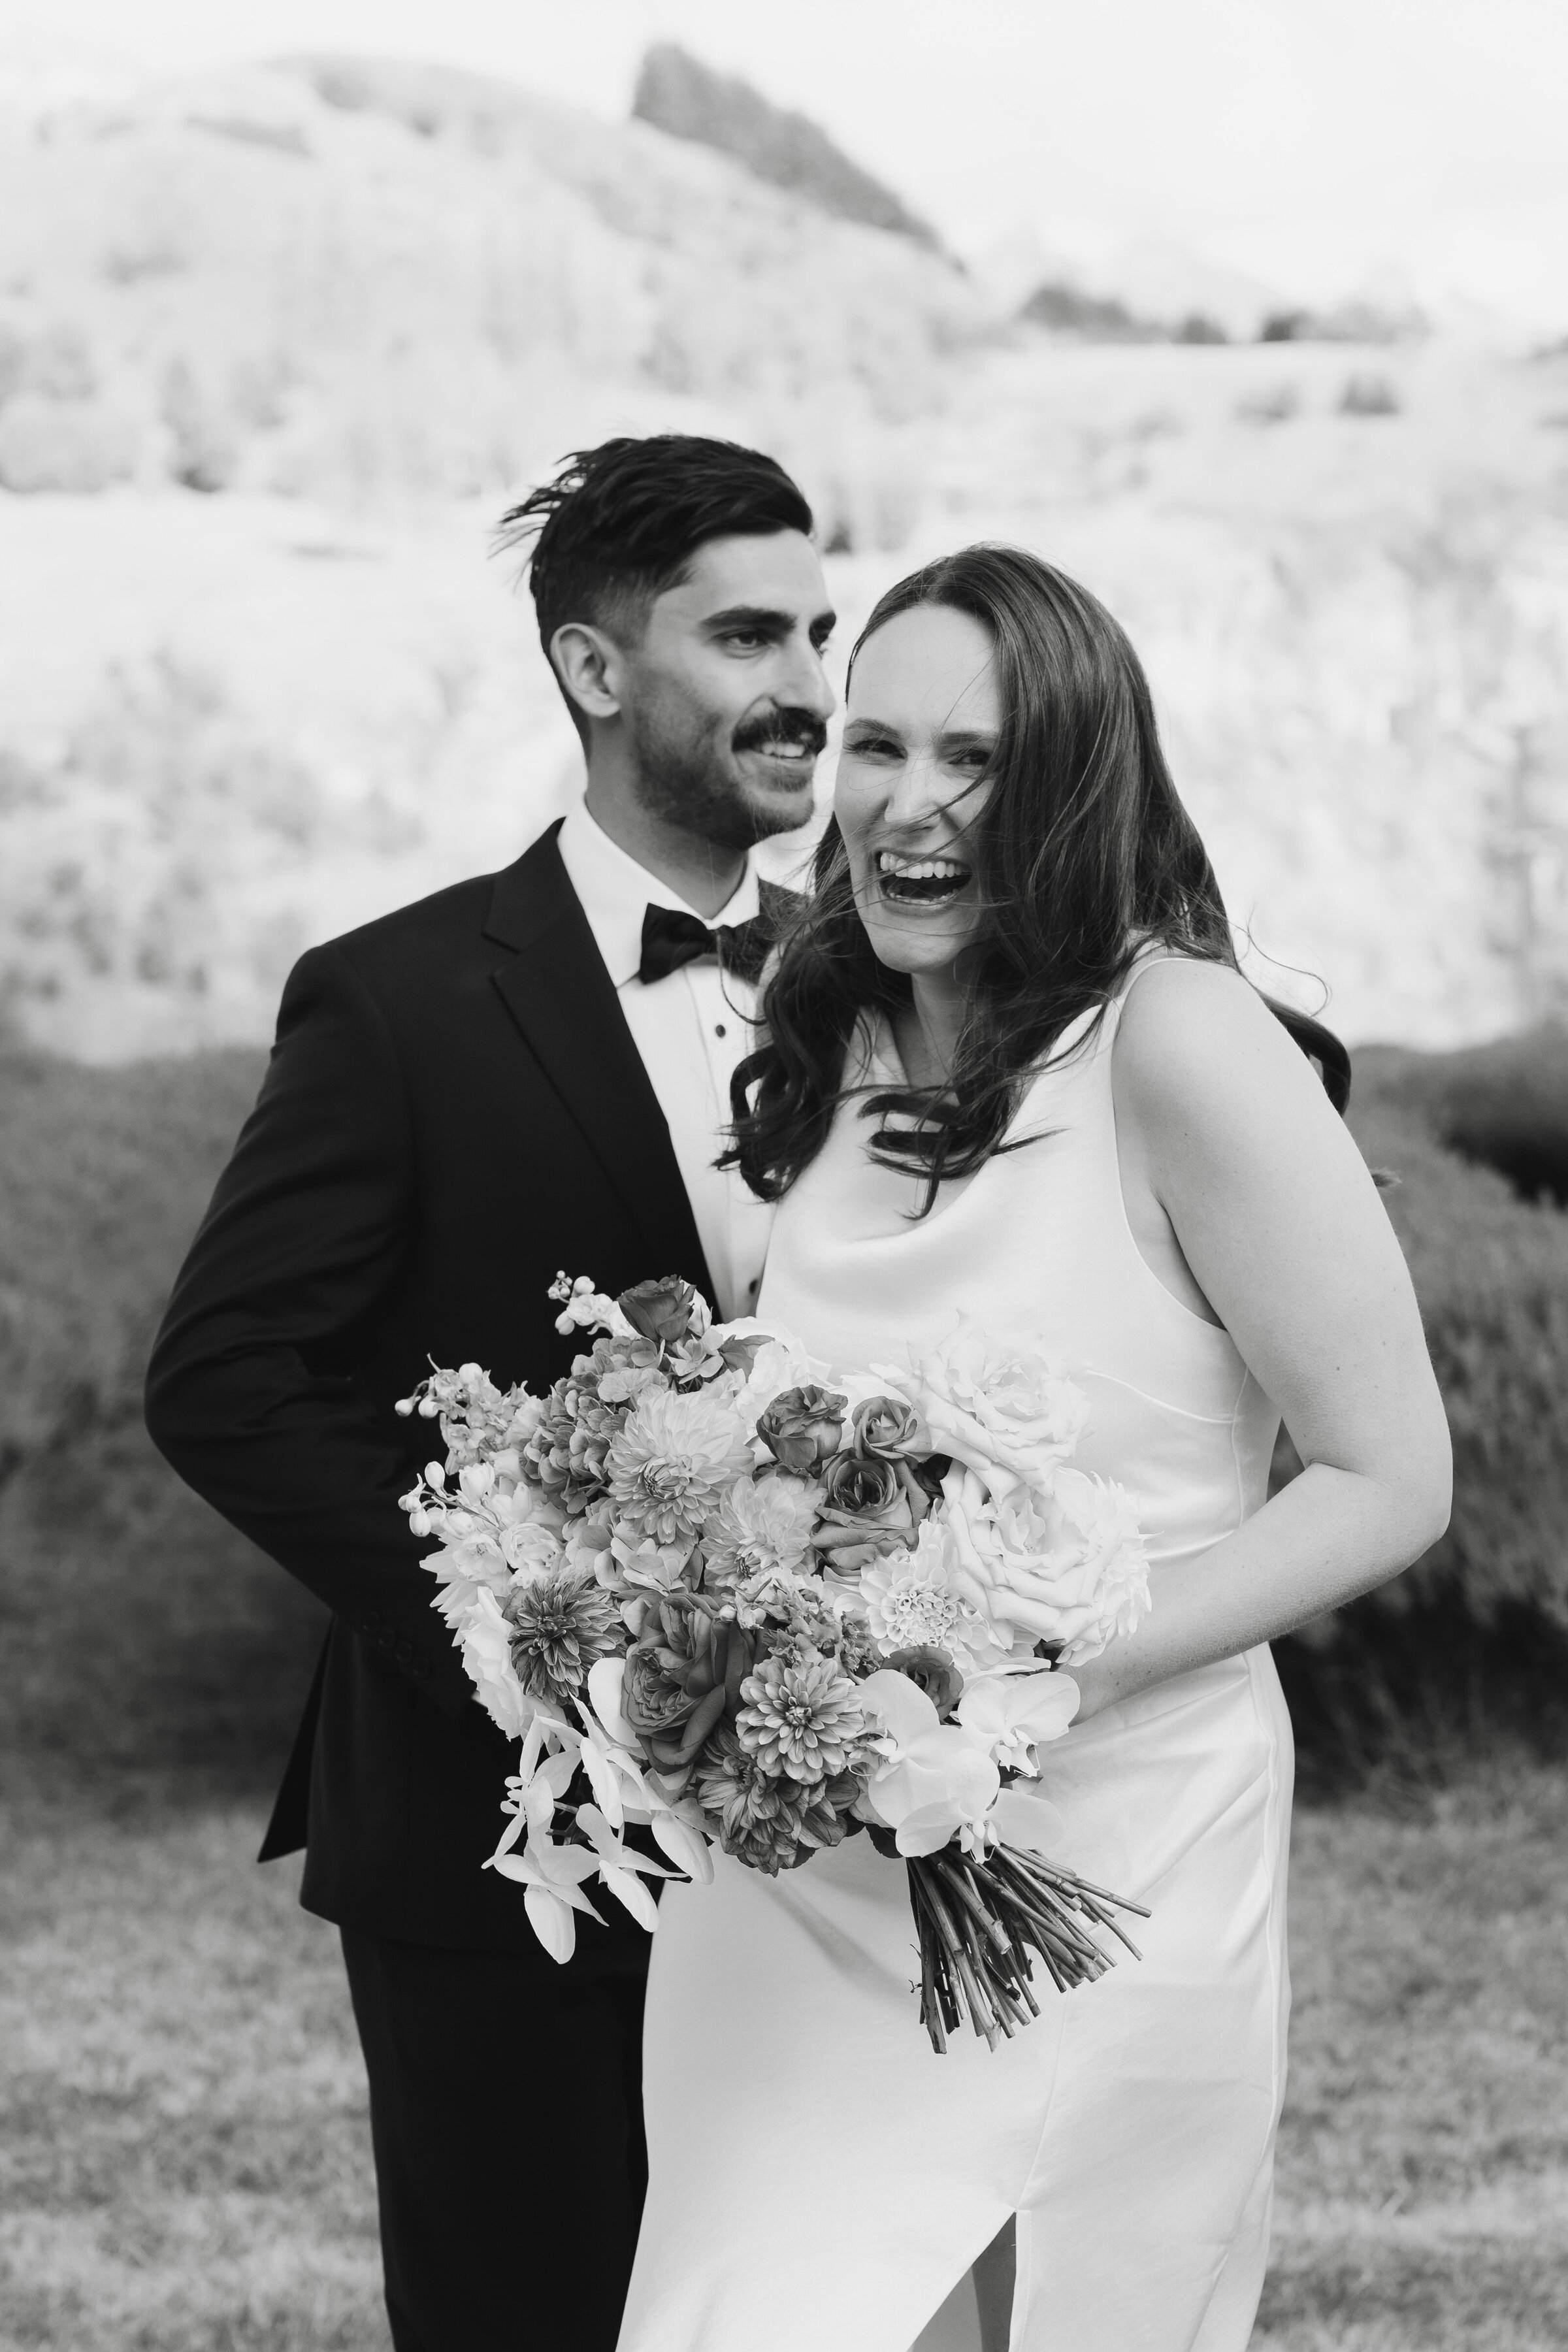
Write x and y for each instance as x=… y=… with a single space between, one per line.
x=1071 y=1566
x=1009 y=1414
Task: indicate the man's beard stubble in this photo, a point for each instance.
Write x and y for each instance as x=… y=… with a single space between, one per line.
x=681 y=777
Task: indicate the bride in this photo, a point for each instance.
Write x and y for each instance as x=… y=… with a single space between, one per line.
x=1010 y=1071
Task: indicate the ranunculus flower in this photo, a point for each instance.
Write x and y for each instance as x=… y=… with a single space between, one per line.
x=938 y=1778
x=1068 y=1568
x=802 y=1427
x=661 y=1311
x=681 y=1675
x=889 y=1428
x=1011 y=1416
x=1015 y=1711
x=867 y=1512
x=935 y=1674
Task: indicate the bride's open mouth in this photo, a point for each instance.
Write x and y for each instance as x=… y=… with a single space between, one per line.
x=918 y=881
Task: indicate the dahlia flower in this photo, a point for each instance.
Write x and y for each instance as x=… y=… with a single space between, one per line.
x=770 y=1823
x=560 y=1623
x=673 y=1460
x=762 y=1525
x=800 y=1717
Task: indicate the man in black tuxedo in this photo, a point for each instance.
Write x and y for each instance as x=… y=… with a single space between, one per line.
x=526 y=1072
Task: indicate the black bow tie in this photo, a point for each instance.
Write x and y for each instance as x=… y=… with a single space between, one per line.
x=670 y=939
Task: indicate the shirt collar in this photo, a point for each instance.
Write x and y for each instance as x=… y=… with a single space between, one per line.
x=614 y=891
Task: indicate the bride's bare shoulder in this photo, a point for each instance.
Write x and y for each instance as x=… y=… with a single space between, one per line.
x=1193 y=1034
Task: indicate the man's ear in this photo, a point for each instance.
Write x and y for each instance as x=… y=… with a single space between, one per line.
x=589 y=666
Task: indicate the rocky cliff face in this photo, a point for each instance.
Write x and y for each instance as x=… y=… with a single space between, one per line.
x=679 y=94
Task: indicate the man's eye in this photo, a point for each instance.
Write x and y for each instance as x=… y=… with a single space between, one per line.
x=745 y=637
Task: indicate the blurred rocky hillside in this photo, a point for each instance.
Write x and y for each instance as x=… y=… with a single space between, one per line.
x=334 y=274
x=276 y=348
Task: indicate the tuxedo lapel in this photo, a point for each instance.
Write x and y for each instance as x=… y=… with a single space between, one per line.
x=557 y=989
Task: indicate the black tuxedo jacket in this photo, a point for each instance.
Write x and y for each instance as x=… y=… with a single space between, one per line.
x=454 y=1110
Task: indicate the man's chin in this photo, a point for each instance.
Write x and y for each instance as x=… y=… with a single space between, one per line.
x=782 y=807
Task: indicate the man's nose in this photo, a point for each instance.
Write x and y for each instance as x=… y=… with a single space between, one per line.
x=806 y=685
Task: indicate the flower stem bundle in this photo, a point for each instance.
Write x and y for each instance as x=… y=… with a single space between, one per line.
x=978 y=1921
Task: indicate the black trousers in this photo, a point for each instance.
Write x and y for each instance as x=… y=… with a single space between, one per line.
x=506 y=2117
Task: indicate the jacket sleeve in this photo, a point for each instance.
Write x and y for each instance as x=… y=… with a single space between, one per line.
x=247 y=1394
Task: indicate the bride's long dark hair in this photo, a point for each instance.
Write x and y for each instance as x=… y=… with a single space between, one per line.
x=1082 y=852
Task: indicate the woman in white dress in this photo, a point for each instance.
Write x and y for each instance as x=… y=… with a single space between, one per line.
x=1011 y=1071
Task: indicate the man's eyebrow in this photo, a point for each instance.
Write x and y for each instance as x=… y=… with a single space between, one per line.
x=749 y=616
x=764 y=616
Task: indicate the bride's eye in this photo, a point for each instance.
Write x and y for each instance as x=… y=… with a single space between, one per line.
x=873 y=747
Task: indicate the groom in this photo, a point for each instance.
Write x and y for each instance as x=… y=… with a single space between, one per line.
x=526 y=1072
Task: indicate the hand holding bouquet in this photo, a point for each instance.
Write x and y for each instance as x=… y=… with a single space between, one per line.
x=717 y=1596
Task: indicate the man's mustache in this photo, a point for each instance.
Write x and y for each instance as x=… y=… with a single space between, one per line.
x=781 y=727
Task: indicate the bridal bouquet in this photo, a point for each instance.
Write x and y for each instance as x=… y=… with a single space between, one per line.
x=720 y=1599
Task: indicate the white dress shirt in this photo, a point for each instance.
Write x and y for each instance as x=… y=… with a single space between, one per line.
x=692 y=1029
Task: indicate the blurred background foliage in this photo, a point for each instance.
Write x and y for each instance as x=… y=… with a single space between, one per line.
x=138 y=1632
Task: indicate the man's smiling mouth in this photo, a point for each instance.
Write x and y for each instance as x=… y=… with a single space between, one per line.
x=918 y=881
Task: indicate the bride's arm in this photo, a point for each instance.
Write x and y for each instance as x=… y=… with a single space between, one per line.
x=1222 y=1122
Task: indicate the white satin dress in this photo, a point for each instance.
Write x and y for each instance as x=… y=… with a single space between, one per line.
x=820 y=2178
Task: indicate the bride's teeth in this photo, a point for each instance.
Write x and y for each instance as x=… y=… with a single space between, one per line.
x=925 y=869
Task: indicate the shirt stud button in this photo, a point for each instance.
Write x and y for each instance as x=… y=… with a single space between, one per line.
x=720 y=1030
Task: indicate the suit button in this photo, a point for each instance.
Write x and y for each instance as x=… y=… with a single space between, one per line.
x=370 y=1623
x=386 y=1639
x=420 y=1666
x=404 y=1651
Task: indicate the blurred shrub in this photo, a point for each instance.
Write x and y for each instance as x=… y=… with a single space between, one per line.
x=1472 y=1643
x=78 y=445
x=1492 y=1272
x=135 y=1628
x=1504 y=1105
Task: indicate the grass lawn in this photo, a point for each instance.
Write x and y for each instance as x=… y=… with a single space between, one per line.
x=185 y=2163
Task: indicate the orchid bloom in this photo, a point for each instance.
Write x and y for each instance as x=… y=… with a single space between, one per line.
x=1015 y=1711
x=619 y=1865
x=938 y=1777
x=551 y=1875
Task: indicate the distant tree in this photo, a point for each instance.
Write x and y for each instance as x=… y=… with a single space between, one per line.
x=1098 y=318
x=1197 y=327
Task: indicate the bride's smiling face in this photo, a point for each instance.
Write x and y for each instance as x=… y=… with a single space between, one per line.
x=921 y=725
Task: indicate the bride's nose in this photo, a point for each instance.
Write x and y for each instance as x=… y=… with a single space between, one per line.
x=917 y=792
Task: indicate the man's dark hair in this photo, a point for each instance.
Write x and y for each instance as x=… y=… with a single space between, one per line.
x=619 y=524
